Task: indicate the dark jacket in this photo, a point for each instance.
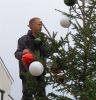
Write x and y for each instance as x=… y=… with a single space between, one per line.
x=28 y=42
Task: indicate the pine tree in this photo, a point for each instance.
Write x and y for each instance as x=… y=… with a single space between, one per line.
x=77 y=62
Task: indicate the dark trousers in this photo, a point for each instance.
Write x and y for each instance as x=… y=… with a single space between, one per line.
x=33 y=88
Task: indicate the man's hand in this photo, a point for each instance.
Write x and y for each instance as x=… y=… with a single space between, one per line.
x=28 y=58
x=24 y=61
x=25 y=51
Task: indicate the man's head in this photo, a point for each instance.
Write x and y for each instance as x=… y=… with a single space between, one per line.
x=35 y=25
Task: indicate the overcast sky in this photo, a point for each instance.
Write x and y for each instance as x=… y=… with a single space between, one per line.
x=14 y=17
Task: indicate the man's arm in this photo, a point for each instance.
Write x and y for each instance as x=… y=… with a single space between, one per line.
x=21 y=48
x=19 y=51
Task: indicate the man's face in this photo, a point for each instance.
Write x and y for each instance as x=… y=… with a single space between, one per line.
x=37 y=26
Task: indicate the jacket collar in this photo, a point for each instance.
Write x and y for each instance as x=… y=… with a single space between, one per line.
x=29 y=33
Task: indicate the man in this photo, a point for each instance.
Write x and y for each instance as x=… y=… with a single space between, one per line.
x=33 y=86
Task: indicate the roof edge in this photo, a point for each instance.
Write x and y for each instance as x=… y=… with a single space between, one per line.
x=6 y=70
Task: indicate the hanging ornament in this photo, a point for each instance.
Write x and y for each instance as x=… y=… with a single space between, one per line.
x=70 y=2
x=36 y=68
x=65 y=22
x=28 y=58
x=37 y=41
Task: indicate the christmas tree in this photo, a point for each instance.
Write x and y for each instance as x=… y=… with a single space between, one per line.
x=72 y=68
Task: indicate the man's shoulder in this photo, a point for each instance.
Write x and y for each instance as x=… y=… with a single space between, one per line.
x=24 y=37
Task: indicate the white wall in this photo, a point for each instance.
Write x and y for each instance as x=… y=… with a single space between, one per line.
x=5 y=81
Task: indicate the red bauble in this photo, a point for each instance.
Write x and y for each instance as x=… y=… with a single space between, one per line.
x=27 y=58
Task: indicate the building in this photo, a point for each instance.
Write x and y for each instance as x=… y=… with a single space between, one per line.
x=6 y=81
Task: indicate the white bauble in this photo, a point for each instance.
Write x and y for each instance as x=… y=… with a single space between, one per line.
x=65 y=22
x=36 y=68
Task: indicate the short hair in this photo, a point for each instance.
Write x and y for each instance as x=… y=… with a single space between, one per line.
x=32 y=20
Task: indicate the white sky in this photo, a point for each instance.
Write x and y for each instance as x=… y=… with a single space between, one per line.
x=14 y=17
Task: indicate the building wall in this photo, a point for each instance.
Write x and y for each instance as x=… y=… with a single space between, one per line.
x=5 y=81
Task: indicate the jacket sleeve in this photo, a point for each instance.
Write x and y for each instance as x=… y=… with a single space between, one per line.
x=20 y=48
